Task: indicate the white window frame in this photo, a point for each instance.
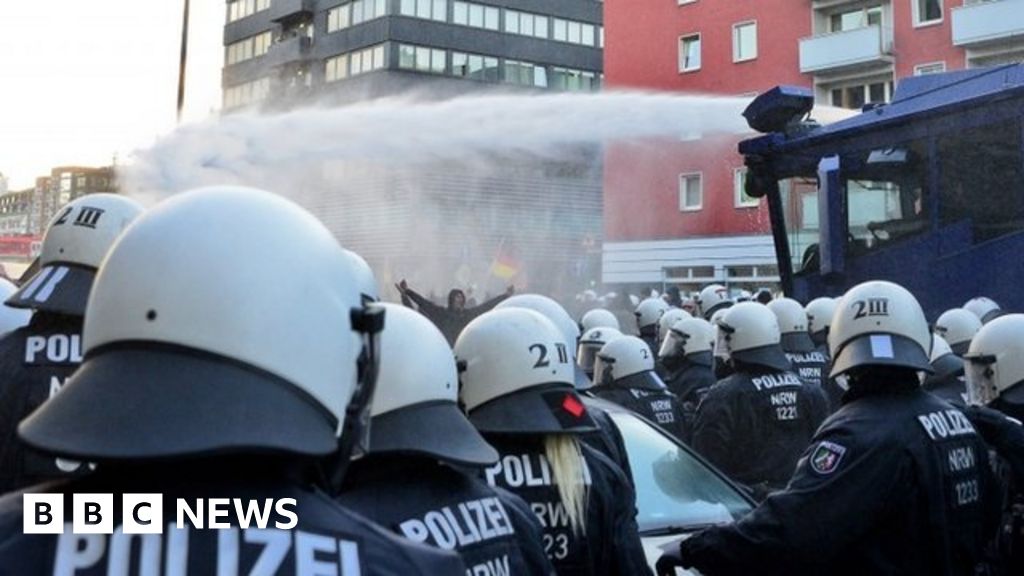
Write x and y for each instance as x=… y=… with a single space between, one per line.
x=738 y=176
x=918 y=69
x=685 y=177
x=736 y=41
x=681 y=55
x=916 y=10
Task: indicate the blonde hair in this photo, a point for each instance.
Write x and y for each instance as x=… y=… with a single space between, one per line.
x=570 y=472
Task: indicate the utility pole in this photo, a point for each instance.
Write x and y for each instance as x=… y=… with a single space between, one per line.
x=183 y=61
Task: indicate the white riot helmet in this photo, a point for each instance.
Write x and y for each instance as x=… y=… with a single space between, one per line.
x=749 y=333
x=626 y=361
x=819 y=315
x=792 y=319
x=364 y=278
x=554 y=312
x=11 y=318
x=720 y=351
x=984 y=308
x=687 y=337
x=668 y=320
x=879 y=323
x=190 y=350
x=957 y=326
x=712 y=298
x=415 y=407
x=591 y=343
x=76 y=241
x=994 y=364
x=744 y=296
x=945 y=364
x=517 y=375
x=649 y=311
x=599 y=318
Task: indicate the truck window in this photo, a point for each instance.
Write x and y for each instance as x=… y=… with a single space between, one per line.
x=981 y=180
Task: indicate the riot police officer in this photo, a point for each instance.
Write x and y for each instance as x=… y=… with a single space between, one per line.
x=810 y=364
x=722 y=367
x=606 y=439
x=957 y=326
x=947 y=378
x=36 y=360
x=686 y=357
x=712 y=298
x=591 y=343
x=995 y=376
x=11 y=318
x=648 y=313
x=204 y=379
x=819 y=320
x=624 y=374
x=517 y=387
x=986 y=309
x=895 y=482
x=414 y=479
x=755 y=424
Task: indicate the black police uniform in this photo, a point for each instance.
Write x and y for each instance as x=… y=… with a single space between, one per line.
x=948 y=380
x=691 y=378
x=644 y=394
x=611 y=544
x=895 y=482
x=327 y=539
x=427 y=501
x=833 y=391
x=35 y=360
x=755 y=424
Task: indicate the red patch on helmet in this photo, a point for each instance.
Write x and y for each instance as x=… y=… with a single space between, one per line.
x=573 y=406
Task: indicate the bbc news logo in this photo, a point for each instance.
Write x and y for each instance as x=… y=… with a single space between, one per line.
x=144 y=514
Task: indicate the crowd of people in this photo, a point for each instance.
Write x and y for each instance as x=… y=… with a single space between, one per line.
x=156 y=356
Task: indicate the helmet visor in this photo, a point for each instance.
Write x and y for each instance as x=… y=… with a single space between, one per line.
x=981 y=373
x=603 y=371
x=586 y=355
x=368 y=321
x=673 y=346
x=722 y=337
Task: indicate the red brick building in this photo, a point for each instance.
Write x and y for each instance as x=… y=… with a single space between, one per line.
x=674 y=210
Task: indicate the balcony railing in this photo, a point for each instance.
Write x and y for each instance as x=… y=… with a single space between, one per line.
x=845 y=50
x=286 y=51
x=988 y=22
x=284 y=9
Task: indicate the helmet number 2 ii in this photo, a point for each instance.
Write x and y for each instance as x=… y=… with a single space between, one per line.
x=542 y=354
x=87 y=217
x=871 y=307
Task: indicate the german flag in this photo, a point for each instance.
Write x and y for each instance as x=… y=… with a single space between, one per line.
x=505 y=265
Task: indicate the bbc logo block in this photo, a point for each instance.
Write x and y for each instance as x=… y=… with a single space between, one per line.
x=92 y=514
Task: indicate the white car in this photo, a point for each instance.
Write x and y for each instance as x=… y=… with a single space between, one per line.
x=677 y=491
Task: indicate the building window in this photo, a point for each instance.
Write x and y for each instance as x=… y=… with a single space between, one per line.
x=930 y=68
x=355 y=63
x=421 y=59
x=475 y=66
x=336 y=68
x=248 y=93
x=575 y=80
x=241 y=8
x=854 y=96
x=574 y=32
x=927 y=11
x=854 y=19
x=339 y=18
x=81 y=181
x=247 y=48
x=744 y=41
x=689 y=53
x=526 y=24
x=742 y=199
x=476 y=15
x=526 y=74
x=425 y=9
x=691 y=192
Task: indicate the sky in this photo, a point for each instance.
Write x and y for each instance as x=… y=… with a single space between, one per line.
x=84 y=80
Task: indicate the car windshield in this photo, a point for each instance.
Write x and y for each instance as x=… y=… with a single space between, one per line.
x=674 y=489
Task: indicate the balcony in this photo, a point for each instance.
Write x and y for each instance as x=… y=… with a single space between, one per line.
x=286 y=51
x=286 y=9
x=846 y=50
x=988 y=22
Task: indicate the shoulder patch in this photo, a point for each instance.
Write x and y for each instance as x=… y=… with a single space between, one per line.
x=826 y=457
